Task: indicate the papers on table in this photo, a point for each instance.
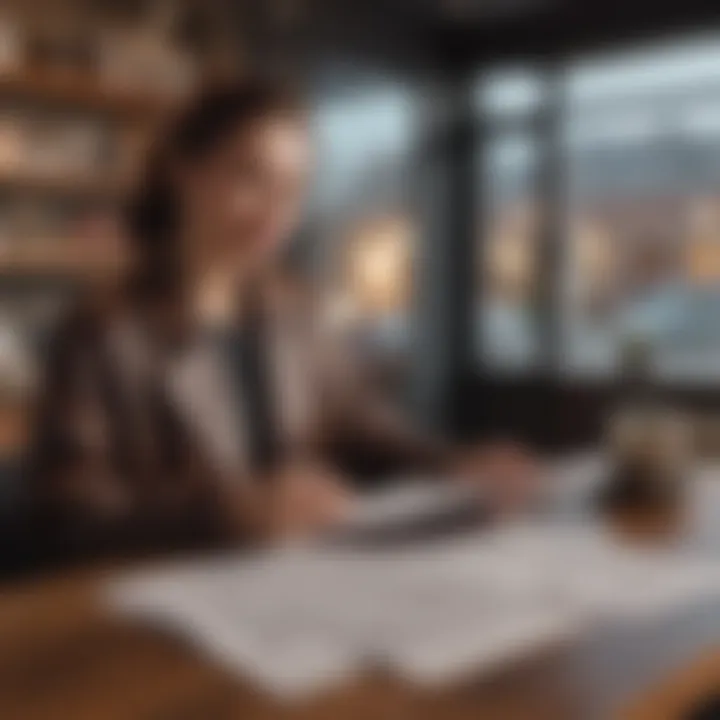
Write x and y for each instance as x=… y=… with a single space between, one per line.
x=301 y=619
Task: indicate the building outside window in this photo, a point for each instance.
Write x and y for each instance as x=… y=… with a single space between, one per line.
x=640 y=153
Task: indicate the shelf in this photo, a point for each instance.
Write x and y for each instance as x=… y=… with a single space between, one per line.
x=58 y=259
x=82 y=92
x=71 y=185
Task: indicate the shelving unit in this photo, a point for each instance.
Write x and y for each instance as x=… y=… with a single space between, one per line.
x=69 y=185
x=123 y=112
x=39 y=263
x=69 y=144
x=81 y=93
x=59 y=258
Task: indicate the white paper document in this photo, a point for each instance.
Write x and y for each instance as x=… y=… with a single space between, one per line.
x=301 y=619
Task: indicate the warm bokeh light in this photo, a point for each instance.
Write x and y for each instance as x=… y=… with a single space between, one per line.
x=378 y=264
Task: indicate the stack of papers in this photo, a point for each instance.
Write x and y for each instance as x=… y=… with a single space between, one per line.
x=300 y=619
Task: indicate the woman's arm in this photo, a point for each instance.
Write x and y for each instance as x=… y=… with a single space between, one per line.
x=87 y=496
x=504 y=472
x=89 y=488
x=358 y=416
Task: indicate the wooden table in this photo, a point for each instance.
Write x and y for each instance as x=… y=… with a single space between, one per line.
x=64 y=657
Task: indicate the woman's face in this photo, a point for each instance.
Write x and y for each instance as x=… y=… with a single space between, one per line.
x=243 y=200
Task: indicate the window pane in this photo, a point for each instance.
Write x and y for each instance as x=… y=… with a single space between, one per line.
x=643 y=260
x=508 y=92
x=506 y=323
x=362 y=204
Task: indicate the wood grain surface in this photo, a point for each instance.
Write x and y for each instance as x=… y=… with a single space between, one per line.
x=64 y=656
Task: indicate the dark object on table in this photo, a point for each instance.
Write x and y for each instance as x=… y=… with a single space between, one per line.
x=707 y=709
x=407 y=515
x=648 y=441
x=637 y=487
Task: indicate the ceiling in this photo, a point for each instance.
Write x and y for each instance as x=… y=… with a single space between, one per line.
x=463 y=33
x=480 y=11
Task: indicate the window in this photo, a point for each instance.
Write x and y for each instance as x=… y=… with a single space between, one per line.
x=362 y=206
x=506 y=321
x=642 y=142
x=640 y=191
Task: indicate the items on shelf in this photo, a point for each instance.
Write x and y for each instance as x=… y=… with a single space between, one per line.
x=143 y=61
x=11 y=44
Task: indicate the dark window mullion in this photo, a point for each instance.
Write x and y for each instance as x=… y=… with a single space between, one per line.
x=550 y=193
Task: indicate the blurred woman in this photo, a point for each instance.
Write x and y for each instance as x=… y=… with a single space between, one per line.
x=204 y=403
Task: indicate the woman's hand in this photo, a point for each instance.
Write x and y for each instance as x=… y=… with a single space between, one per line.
x=504 y=472
x=304 y=499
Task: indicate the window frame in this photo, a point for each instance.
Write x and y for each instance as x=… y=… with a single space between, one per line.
x=545 y=125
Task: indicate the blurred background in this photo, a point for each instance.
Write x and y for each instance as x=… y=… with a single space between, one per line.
x=509 y=193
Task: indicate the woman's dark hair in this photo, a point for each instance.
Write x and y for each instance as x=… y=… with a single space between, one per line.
x=152 y=216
